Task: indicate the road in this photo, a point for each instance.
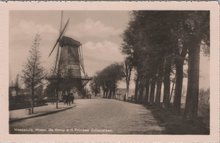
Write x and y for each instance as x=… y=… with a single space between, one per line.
x=93 y=116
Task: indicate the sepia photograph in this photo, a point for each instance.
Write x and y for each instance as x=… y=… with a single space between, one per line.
x=109 y=72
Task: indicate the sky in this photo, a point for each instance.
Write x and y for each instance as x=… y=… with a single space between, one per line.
x=100 y=33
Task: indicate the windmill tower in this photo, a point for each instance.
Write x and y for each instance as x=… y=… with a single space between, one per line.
x=69 y=73
x=69 y=62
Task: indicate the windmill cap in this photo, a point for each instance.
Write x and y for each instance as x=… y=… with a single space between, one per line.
x=67 y=41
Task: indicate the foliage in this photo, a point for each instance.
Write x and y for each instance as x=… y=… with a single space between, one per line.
x=107 y=79
x=159 y=43
x=33 y=72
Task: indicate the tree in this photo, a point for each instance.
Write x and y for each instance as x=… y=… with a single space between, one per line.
x=94 y=85
x=198 y=23
x=33 y=72
x=127 y=73
x=179 y=62
x=107 y=79
x=159 y=43
x=159 y=83
x=147 y=41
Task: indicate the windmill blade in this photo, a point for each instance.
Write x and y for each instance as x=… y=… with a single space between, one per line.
x=61 y=34
x=82 y=69
x=81 y=60
x=54 y=47
x=58 y=50
x=57 y=62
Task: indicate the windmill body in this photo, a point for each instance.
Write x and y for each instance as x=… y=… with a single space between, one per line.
x=69 y=74
x=70 y=67
x=69 y=62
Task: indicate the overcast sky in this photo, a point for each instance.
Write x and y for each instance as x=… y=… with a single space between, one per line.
x=98 y=31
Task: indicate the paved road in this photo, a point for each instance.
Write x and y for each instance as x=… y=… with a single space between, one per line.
x=97 y=116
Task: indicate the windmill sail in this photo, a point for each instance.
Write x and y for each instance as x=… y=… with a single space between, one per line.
x=69 y=72
x=61 y=34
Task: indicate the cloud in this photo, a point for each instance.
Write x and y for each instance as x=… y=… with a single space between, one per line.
x=102 y=46
x=29 y=27
x=21 y=38
x=98 y=55
x=93 y=28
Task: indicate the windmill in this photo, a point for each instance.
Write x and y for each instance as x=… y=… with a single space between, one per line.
x=69 y=72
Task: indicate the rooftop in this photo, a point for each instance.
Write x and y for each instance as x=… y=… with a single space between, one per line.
x=67 y=41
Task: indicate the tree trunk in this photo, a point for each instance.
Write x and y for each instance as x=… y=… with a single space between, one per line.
x=114 y=93
x=136 y=89
x=178 y=88
x=191 y=107
x=158 y=92
x=179 y=78
x=57 y=98
x=141 y=90
x=128 y=77
x=106 y=93
x=110 y=94
x=103 y=93
x=147 y=85
x=127 y=89
x=127 y=93
x=32 y=99
x=152 y=91
x=166 y=94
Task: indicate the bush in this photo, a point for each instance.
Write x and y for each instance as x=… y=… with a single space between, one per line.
x=23 y=101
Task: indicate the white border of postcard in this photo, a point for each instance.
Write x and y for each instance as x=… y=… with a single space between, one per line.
x=214 y=70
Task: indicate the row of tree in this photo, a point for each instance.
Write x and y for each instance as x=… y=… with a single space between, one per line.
x=157 y=44
x=106 y=80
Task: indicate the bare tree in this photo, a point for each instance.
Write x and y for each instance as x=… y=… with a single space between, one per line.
x=33 y=72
